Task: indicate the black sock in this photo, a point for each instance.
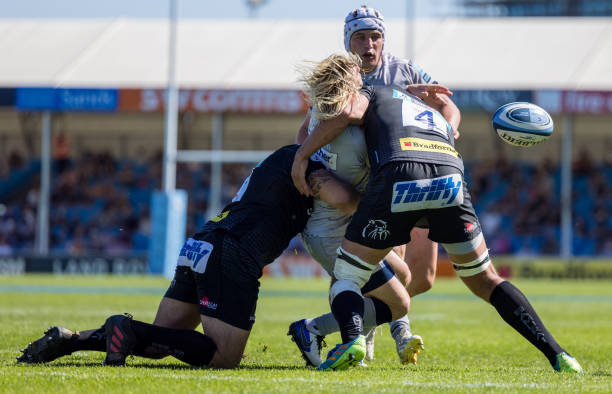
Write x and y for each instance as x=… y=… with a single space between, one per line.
x=383 y=313
x=95 y=340
x=188 y=346
x=347 y=308
x=514 y=308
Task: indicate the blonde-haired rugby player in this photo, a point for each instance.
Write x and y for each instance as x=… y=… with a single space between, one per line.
x=346 y=157
x=416 y=175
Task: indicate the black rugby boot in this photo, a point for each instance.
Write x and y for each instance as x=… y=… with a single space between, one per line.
x=57 y=342
x=120 y=339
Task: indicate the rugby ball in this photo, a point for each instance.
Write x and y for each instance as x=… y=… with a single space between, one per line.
x=522 y=124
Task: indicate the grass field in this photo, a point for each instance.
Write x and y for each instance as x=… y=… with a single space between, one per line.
x=467 y=346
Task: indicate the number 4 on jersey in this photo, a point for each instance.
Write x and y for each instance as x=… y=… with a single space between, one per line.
x=427 y=118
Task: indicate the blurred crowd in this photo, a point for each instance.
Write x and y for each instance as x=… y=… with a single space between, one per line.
x=101 y=205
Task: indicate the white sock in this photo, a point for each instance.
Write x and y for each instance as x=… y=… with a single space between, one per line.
x=397 y=325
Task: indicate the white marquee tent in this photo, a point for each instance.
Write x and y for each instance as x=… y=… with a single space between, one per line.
x=525 y=53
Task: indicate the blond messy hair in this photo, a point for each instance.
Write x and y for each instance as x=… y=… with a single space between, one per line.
x=329 y=84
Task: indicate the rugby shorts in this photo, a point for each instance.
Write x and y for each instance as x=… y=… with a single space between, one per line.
x=403 y=194
x=200 y=278
x=323 y=250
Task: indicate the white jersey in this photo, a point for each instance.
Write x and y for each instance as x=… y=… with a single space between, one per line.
x=395 y=71
x=347 y=157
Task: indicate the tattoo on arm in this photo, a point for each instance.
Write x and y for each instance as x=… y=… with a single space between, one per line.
x=317 y=179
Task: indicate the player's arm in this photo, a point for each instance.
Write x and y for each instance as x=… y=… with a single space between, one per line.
x=438 y=97
x=303 y=131
x=451 y=113
x=323 y=134
x=442 y=103
x=328 y=188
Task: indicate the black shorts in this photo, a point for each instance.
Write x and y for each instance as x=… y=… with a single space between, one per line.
x=200 y=278
x=404 y=193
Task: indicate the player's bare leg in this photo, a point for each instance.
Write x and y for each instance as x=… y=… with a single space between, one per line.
x=352 y=269
x=472 y=263
x=422 y=257
x=417 y=265
x=385 y=298
x=173 y=313
x=177 y=314
x=230 y=342
x=399 y=265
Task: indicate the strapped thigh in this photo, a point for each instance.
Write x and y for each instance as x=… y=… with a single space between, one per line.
x=471 y=268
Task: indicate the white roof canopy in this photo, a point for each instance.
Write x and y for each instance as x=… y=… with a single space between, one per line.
x=512 y=53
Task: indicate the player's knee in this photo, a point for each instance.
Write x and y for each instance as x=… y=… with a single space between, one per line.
x=420 y=285
x=225 y=363
x=230 y=363
x=226 y=360
x=403 y=274
x=341 y=286
x=349 y=267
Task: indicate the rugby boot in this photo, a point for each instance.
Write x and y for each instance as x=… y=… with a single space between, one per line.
x=120 y=339
x=345 y=355
x=567 y=363
x=309 y=343
x=408 y=346
x=56 y=342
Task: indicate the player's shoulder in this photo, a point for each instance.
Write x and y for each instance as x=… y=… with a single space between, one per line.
x=393 y=61
x=409 y=68
x=280 y=158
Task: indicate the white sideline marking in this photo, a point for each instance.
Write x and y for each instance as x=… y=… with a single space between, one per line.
x=318 y=380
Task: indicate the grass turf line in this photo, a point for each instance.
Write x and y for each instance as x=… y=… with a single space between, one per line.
x=468 y=347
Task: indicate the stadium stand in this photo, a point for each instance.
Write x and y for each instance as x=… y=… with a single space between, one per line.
x=111 y=214
x=91 y=71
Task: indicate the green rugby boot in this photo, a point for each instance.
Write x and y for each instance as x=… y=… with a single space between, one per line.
x=567 y=363
x=345 y=355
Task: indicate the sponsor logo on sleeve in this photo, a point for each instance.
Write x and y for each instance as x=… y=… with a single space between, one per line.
x=194 y=254
x=423 y=145
x=436 y=193
x=220 y=216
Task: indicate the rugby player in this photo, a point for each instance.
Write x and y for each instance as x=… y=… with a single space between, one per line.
x=216 y=279
x=416 y=176
x=346 y=157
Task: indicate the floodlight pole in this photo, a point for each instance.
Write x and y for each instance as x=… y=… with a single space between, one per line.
x=170 y=131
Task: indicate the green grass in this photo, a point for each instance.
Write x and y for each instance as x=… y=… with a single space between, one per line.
x=467 y=346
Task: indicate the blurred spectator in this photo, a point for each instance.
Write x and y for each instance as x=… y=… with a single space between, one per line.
x=15 y=161
x=61 y=152
x=5 y=248
x=100 y=205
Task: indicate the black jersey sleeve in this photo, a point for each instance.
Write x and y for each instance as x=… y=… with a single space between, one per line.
x=368 y=91
x=313 y=166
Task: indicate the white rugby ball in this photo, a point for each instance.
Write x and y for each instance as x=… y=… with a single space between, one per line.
x=522 y=124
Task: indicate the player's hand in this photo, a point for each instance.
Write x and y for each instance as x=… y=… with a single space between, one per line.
x=298 y=174
x=456 y=134
x=431 y=90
